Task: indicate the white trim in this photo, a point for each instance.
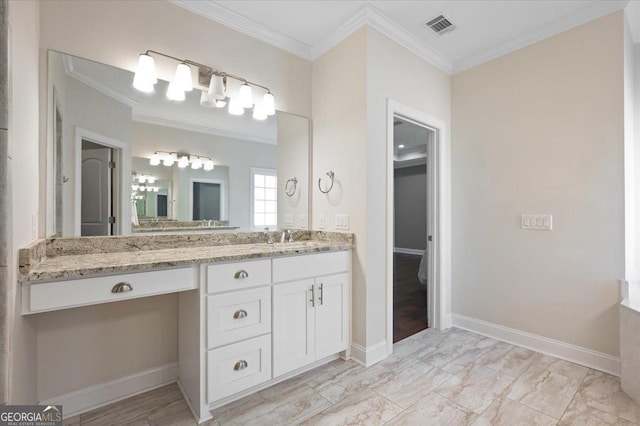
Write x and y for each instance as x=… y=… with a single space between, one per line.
x=577 y=354
x=122 y=189
x=596 y=10
x=220 y=14
x=71 y=71
x=371 y=16
x=97 y=396
x=401 y=250
x=439 y=169
x=194 y=127
x=370 y=355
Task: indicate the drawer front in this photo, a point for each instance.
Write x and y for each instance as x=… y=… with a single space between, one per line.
x=234 y=368
x=307 y=266
x=240 y=275
x=238 y=315
x=89 y=291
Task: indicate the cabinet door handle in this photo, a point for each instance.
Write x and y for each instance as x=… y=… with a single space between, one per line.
x=313 y=297
x=321 y=298
x=240 y=365
x=122 y=288
x=241 y=274
x=240 y=313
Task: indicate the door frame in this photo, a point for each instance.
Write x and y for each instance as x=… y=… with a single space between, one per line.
x=439 y=172
x=121 y=180
x=224 y=212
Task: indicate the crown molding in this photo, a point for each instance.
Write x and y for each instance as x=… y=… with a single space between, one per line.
x=220 y=14
x=193 y=127
x=71 y=71
x=369 y=15
x=595 y=11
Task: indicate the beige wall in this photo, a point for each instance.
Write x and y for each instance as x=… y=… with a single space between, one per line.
x=115 y=33
x=24 y=178
x=350 y=136
x=540 y=130
x=340 y=144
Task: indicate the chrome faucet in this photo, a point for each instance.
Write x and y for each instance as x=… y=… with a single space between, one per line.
x=290 y=232
x=287 y=236
x=268 y=235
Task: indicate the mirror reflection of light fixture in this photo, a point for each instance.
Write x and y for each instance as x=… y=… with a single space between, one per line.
x=208 y=165
x=169 y=159
x=183 y=161
x=196 y=162
x=213 y=84
x=155 y=159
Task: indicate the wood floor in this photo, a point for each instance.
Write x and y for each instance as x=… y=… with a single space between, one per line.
x=409 y=300
x=441 y=378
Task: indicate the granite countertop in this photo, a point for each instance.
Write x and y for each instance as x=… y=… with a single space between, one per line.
x=159 y=229
x=67 y=263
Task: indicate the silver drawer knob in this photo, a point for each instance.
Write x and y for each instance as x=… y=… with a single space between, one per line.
x=122 y=288
x=240 y=313
x=240 y=365
x=241 y=274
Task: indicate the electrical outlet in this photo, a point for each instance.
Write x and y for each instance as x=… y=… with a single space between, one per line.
x=321 y=221
x=302 y=220
x=342 y=222
x=288 y=220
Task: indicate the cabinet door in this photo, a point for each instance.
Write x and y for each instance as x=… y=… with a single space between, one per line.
x=293 y=326
x=332 y=314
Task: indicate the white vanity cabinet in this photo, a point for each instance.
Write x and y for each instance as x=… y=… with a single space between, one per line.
x=255 y=323
x=310 y=321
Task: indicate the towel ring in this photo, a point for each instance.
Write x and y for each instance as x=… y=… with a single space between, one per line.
x=331 y=176
x=290 y=191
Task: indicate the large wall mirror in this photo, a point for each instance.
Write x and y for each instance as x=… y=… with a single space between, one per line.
x=120 y=161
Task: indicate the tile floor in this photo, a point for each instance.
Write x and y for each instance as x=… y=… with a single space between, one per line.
x=433 y=378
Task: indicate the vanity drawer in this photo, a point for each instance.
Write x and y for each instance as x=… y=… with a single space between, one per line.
x=238 y=315
x=311 y=265
x=240 y=275
x=89 y=291
x=234 y=368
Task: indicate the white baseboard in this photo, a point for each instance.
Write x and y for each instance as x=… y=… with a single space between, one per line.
x=576 y=354
x=369 y=355
x=417 y=252
x=97 y=396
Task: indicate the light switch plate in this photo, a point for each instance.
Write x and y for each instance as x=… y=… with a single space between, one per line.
x=321 y=221
x=342 y=222
x=302 y=221
x=538 y=222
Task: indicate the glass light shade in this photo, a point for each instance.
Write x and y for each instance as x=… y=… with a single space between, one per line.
x=169 y=159
x=196 y=163
x=174 y=92
x=208 y=165
x=155 y=189
x=259 y=113
x=269 y=103
x=134 y=187
x=151 y=179
x=220 y=104
x=183 y=77
x=207 y=100
x=145 y=76
x=183 y=162
x=142 y=188
x=235 y=108
x=245 y=96
x=155 y=159
x=141 y=179
x=217 y=87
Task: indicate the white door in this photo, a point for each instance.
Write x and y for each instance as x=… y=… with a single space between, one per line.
x=293 y=326
x=331 y=312
x=96 y=191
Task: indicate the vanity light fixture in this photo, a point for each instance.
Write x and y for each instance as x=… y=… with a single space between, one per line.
x=259 y=113
x=213 y=84
x=183 y=160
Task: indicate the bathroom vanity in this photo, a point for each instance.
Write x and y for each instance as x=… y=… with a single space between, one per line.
x=250 y=314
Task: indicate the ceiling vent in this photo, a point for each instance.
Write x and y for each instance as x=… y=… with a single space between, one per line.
x=440 y=25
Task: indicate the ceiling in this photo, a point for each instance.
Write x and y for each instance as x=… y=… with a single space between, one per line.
x=485 y=28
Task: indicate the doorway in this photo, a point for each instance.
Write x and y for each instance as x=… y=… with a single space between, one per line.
x=412 y=213
x=206 y=200
x=97 y=189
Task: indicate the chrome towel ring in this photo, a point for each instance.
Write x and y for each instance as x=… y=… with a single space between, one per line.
x=290 y=190
x=331 y=176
